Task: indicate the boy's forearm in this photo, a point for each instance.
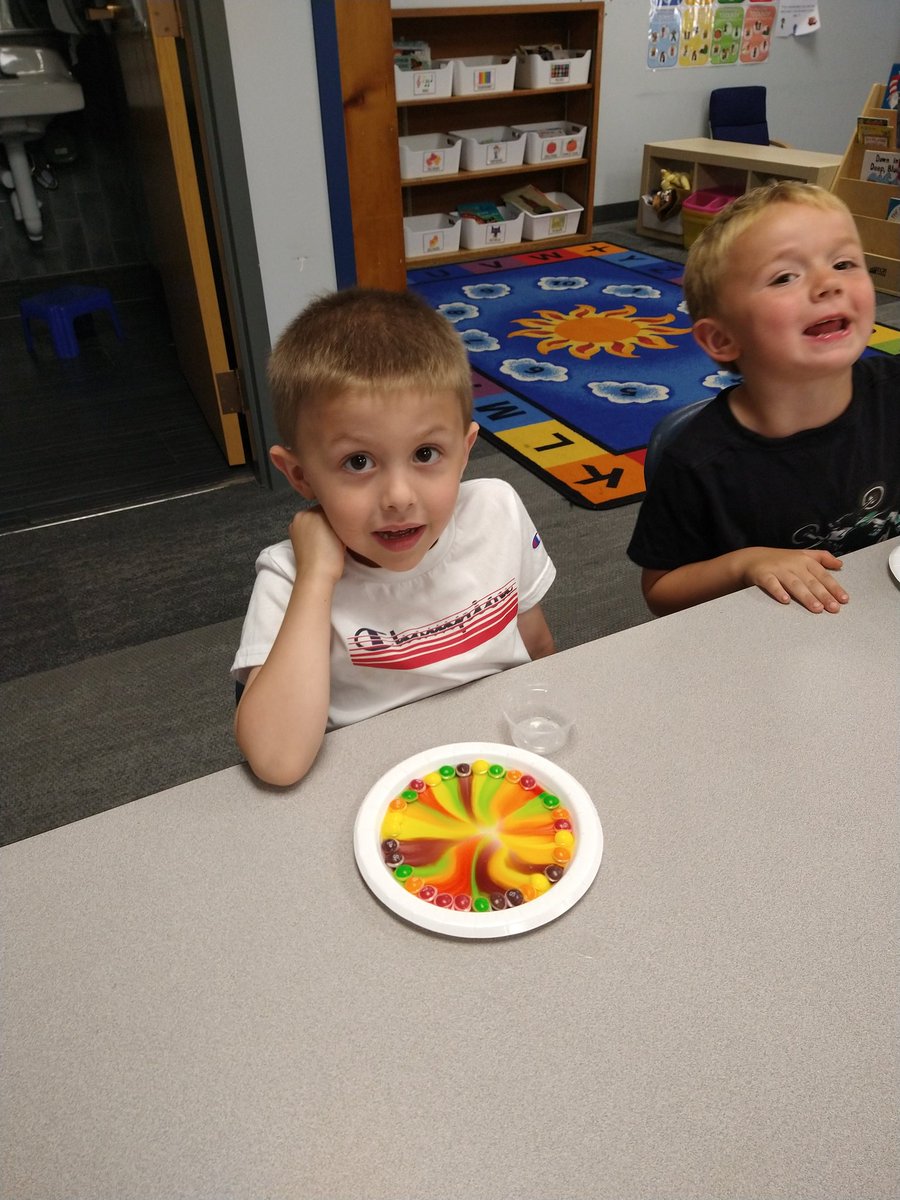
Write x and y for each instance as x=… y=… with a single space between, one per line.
x=281 y=719
x=668 y=592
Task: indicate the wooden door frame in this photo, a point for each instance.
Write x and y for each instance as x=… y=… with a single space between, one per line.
x=218 y=118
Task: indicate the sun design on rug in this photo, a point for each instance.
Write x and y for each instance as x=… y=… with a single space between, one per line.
x=584 y=332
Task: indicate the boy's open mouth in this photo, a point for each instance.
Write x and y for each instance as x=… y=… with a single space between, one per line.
x=827 y=327
x=399 y=539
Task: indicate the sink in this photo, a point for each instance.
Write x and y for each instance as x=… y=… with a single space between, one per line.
x=35 y=85
x=35 y=82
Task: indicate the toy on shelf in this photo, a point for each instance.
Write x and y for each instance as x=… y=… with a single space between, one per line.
x=674 y=188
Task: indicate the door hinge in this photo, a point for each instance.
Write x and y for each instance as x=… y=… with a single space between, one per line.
x=164 y=18
x=231 y=396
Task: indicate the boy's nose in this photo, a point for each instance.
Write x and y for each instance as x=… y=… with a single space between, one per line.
x=398 y=492
x=826 y=281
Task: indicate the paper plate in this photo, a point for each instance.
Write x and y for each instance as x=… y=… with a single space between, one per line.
x=894 y=562
x=485 y=823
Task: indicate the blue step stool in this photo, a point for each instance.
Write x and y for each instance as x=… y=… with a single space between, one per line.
x=59 y=308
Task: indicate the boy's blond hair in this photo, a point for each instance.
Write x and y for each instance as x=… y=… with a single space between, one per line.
x=365 y=339
x=707 y=261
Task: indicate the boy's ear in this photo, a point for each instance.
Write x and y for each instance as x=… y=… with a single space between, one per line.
x=715 y=339
x=287 y=463
x=471 y=435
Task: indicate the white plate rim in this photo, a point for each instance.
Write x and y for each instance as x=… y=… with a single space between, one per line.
x=894 y=562
x=579 y=875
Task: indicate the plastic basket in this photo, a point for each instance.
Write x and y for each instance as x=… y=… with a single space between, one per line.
x=431 y=233
x=485 y=73
x=496 y=146
x=548 y=140
x=424 y=154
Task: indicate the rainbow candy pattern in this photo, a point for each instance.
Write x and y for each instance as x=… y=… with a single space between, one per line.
x=477 y=837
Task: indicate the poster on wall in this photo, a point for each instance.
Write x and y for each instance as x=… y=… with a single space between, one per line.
x=797 y=17
x=664 y=36
x=700 y=33
x=759 y=25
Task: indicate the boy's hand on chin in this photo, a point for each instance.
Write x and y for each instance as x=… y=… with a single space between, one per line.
x=317 y=548
x=800 y=575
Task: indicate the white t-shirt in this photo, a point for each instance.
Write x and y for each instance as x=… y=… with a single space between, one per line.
x=397 y=636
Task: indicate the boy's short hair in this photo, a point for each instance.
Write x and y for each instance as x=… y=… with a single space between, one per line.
x=707 y=261
x=365 y=339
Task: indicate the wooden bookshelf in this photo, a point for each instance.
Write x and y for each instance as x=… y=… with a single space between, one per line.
x=374 y=119
x=868 y=203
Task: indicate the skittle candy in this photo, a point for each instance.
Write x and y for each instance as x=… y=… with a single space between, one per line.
x=477 y=838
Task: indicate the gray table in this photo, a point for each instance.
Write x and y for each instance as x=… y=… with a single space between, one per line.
x=202 y=998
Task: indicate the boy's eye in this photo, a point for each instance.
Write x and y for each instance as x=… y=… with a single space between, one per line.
x=783 y=278
x=846 y=264
x=358 y=463
x=427 y=454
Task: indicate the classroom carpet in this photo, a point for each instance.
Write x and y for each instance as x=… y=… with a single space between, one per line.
x=577 y=353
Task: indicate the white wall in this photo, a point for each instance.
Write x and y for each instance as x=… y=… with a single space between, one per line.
x=275 y=81
x=816 y=85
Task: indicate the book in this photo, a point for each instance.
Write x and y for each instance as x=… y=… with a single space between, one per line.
x=532 y=200
x=482 y=211
x=892 y=90
x=893 y=210
x=874 y=132
x=881 y=166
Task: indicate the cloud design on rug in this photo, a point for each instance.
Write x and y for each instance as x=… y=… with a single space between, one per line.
x=629 y=393
x=642 y=291
x=562 y=283
x=721 y=379
x=457 y=312
x=529 y=368
x=476 y=340
x=486 y=291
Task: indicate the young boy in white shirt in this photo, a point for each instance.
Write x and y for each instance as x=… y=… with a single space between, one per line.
x=400 y=582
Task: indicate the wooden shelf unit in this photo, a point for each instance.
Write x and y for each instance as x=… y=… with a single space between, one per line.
x=710 y=163
x=470 y=31
x=868 y=203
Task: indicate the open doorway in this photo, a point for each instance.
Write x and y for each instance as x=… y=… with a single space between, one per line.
x=135 y=420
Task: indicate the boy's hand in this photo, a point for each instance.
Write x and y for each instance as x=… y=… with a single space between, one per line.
x=801 y=575
x=317 y=548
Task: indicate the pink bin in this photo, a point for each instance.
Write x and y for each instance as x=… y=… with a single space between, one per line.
x=699 y=208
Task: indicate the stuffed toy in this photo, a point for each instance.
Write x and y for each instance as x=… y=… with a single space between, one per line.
x=673 y=187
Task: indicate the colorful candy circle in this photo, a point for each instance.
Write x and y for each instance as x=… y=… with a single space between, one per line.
x=476 y=837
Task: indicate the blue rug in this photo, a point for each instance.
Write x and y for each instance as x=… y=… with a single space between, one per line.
x=576 y=354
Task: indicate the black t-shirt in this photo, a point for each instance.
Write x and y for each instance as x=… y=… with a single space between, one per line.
x=720 y=487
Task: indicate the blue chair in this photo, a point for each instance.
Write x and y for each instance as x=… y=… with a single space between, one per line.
x=665 y=430
x=59 y=308
x=738 y=114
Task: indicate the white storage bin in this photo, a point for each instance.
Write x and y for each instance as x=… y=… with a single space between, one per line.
x=419 y=85
x=549 y=140
x=497 y=146
x=486 y=73
x=429 y=154
x=431 y=233
x=475 y=234
x=650 y=220
x=553 y=224
x=565 y=69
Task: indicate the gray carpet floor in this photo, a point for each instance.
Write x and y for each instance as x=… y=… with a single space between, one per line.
x=117 y=630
